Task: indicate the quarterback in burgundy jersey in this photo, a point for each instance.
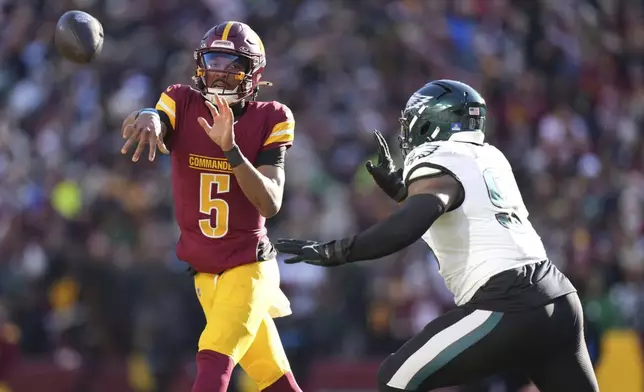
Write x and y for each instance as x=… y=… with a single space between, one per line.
x=227 y=151
x=215 y=216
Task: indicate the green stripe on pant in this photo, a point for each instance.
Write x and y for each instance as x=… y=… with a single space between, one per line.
x=454 y=349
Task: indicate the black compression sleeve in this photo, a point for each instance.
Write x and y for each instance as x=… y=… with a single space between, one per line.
x=272 y=157
x=166 y=121
x=399 y=230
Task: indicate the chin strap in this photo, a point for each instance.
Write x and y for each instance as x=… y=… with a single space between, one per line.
x=253 y=96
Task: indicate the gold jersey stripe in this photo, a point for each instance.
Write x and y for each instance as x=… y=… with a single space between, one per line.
x=168 y=106
x=282 y=132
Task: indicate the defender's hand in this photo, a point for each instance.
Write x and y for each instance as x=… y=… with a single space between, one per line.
x=143 y=128
x=328 y=254
x=384 y=173
x=221 y=131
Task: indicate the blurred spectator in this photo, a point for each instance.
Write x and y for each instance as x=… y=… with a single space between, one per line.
x=9 y=350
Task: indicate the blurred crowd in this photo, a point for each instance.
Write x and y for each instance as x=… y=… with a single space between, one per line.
x=87 y=237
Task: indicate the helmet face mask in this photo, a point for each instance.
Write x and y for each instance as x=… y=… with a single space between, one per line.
x=442 y=110
x=225 y=74
x=230 y=62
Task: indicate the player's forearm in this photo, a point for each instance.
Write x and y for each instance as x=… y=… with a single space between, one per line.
x=264 y=193
x=399 y=230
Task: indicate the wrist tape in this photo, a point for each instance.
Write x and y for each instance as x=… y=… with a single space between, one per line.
x=234 y=156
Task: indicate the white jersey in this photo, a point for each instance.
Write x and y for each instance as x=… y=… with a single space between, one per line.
x=489 y=232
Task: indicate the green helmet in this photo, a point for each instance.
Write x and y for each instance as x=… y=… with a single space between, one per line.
x=442 y=110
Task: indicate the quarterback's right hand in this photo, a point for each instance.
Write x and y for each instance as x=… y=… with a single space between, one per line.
x=144 y=128
x=384 y=173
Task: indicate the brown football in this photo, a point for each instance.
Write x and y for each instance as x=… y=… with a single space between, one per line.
x=79 y=36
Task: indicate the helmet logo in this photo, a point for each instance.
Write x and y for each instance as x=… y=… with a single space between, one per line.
x=456 y=127
x=417 y=100
x=222 y=44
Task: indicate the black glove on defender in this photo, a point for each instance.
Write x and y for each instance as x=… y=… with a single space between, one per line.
x=384 y=173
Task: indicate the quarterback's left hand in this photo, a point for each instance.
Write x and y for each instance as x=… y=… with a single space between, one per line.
x=221 y=131
x=329 y=254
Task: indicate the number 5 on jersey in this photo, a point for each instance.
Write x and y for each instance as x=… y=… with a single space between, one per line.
x=209 y=205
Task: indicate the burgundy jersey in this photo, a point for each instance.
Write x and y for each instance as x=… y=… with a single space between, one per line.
x=220 y=227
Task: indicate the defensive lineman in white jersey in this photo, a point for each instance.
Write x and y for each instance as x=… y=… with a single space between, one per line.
x=516 y=311
x=494 y=233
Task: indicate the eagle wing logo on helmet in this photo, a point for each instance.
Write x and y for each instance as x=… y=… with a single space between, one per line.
x=417 y=100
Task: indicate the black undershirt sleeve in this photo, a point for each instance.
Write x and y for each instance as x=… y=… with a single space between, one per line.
x=168 y=125
x=272 y=157
x=399 y=230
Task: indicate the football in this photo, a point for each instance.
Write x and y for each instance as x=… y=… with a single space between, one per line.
x=79 y=36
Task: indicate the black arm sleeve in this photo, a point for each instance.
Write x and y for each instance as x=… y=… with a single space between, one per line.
x=166 y=121
x=271 y=157
x=399 y=230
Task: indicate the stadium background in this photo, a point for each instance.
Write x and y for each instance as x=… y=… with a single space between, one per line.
x=92 y=297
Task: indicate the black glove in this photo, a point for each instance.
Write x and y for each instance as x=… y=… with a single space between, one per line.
x=329 y=254
x=384 y=173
